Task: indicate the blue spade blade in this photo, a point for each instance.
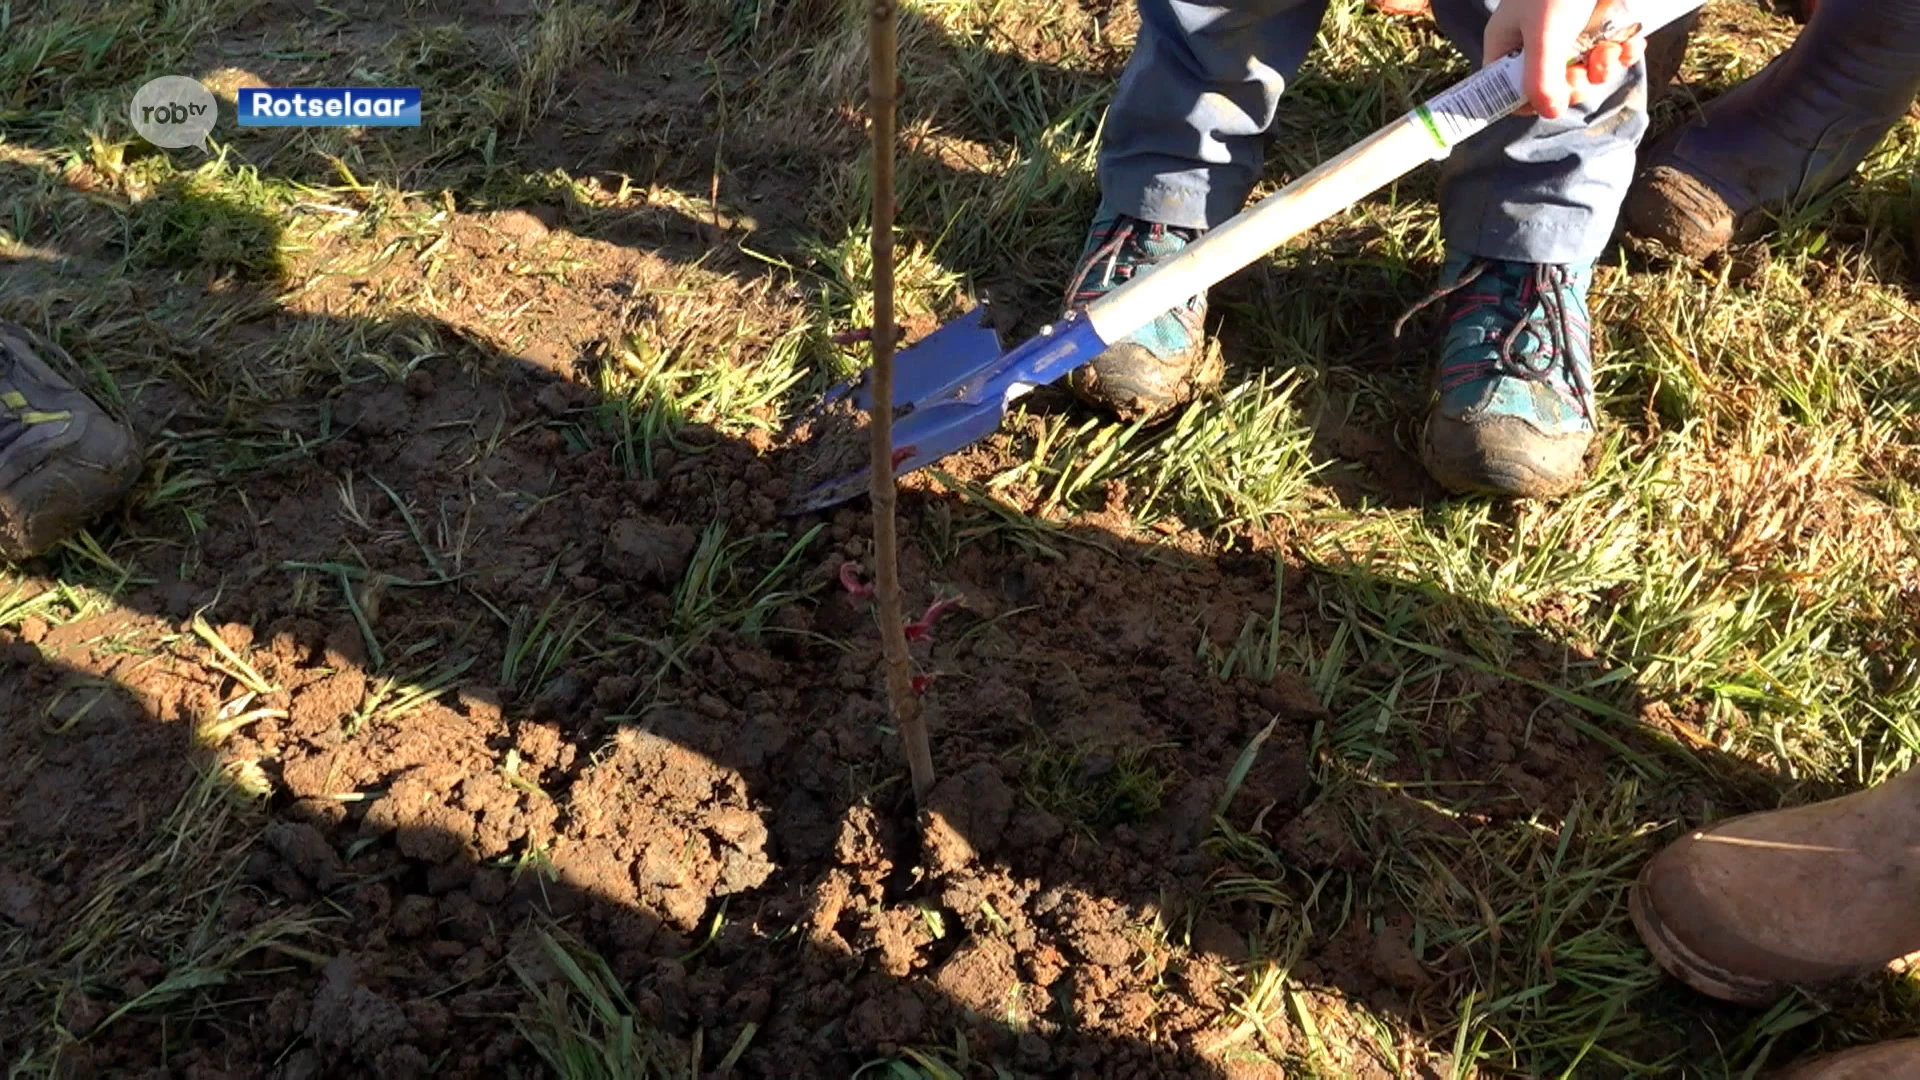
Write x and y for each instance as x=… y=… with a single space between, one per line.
x=943 y=406
x=961 y=348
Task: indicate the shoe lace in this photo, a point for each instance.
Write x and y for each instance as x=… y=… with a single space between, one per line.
x=1113 y=241
x=1118 y=254
x=1543 y=313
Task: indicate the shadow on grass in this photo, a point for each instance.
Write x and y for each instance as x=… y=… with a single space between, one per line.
x=540 y=730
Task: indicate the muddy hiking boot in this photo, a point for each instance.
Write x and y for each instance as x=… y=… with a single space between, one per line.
x=63 y=460
x=1750 y=907
x=1897 y=1060
x=1161 y=365
x=1787 y=135
x=1514 y=408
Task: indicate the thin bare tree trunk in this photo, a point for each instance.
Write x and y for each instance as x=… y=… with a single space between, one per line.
x=883 y=39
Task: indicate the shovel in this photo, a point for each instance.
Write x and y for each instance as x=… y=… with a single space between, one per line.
x=953 y=386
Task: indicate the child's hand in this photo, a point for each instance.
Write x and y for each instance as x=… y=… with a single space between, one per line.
x=1546 y=31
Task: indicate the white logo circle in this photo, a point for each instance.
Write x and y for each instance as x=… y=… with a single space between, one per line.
x=175 y=112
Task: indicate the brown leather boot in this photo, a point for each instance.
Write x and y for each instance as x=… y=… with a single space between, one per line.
x=1813 y=894
x=1795 y=130
x=1898 y=1060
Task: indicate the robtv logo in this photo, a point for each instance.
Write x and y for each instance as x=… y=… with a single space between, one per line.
x=330 y=107
x=174 y=111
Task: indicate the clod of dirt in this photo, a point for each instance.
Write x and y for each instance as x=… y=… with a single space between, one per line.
x=525 y=226
x=648 y=551
x=425 y=827
x=555 y=399
x=1106 y=948
x=348 y=1018
x=322 y=814
x=303 y=1065
x=463 y=920
x=319 y=708
x=286 y=1016
x=1392 y=958
x=414 y=916
x=966 y=816
x=1292 y=698
x=861 y=846
x=377 y=411
x=1278 y=784
x=402 y=1063
x=982 y=979
x=20 y=900
x=489 y=886
x=897 y=934
x=81 y=1014
x=889 y=1019
x=1034 y=828
x=1187 y=817
x=1214 y=938
x=1316 y=839
x=97 y=706
x=667 y=820
x=444 y=877
x=307 y=851
x=429 y=1020
x=557 y=699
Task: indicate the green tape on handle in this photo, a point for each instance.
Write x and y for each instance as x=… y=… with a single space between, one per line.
x=1472 y=105
x=1425 y=116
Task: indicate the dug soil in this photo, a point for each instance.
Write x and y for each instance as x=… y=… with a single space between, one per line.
x=716 y=807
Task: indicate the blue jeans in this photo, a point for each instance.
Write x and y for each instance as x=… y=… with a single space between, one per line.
x=1186 y=134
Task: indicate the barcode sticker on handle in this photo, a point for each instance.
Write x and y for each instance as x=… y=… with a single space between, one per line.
x=1466 y=109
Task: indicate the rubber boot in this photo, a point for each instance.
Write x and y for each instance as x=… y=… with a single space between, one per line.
x=1803 y=896
x=1898 y=1060
x=1792 y=132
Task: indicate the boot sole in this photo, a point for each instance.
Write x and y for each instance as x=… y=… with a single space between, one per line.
x=1493 y=476
x=1668 y=204
x=1505 y=483
x=1688 y=966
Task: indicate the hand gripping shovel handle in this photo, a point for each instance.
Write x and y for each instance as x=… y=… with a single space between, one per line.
x=1429 y=132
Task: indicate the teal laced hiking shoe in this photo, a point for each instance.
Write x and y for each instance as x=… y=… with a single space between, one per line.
x=1161 y=365
x=1515 y=412
x=63 y=460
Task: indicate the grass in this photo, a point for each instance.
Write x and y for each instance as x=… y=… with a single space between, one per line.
x=718 y=595
x=1094 y=787
x=169 y=898
x=1242 y=466
x=583 y=1025
x=1742 y=561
